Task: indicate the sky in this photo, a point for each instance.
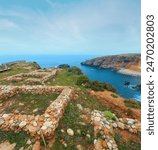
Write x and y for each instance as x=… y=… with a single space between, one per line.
x=69 y=27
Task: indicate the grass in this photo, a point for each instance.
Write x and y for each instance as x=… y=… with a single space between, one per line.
x=30 y=102
x=64 y=78
x=19 y=138
x=11 y=72
x=123 y=145
x=109 y=115
x=132 y=104
x=71 y=119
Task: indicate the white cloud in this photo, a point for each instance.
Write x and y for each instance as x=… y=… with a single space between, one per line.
x=7 y=24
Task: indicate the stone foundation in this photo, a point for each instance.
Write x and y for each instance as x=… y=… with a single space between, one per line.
x=41 y=76
x=39 y=126
x=105 y=127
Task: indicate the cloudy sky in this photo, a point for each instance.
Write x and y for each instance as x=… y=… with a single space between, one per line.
x=69 y=26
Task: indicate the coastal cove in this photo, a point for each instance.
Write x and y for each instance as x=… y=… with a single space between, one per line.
x=107 y=75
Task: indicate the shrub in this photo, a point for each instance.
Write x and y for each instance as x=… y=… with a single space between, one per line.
x=75 y=70
x=109 y=115
x=83 y=80
x=96 y=86
x=132 y=103
x=114 y=96
x=64 y=66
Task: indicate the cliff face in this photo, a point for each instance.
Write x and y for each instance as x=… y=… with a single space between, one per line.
x=129 y=62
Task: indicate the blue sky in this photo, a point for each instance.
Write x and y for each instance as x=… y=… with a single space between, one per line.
x=69 y=26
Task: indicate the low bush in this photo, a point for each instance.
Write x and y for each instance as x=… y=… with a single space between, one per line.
x=109 y=115
x=114 y=95
x=62 y=66
x=75 y=70
x=83 y=80
x=132 y=103
x=95 y=85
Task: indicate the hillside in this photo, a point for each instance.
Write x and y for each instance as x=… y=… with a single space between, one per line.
x=126 y=63
x=61 y=109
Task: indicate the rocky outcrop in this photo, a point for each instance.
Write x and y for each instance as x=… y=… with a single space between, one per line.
x=129 y=62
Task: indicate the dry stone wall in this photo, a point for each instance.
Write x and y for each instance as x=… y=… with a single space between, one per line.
x=37 y=76
x=39 y=126
x=106 y=126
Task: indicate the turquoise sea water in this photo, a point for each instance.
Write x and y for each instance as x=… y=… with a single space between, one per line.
x=106 y=75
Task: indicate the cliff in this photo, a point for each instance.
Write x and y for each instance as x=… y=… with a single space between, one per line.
x=126 y=63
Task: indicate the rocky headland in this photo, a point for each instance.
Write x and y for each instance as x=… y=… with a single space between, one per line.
x=126 y=63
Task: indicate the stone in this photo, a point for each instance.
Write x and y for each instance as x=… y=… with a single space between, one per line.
x=78 y=131
x=88 y=135
x=28 y=142
x=36 y=146
x=22 y=148
x=70 y=132
x=130 y=121
x=97 y=119
x=32 y=129
x=48 y=123
x=121 y=125
x=5 y=116
x=62 y=130
x=107 y=126
x=46 y=115
x=22 y=124
x=21 y=104
x=35 y=124
x=43 y=127
x=7 y=146
x=80 y=107
x=35 y=110
x=109 y=145
x=1 y=121
x=79 y=147
x=114 y=125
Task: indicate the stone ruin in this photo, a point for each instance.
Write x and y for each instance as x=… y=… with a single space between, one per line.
x=105 y=127
x=37 y=76
x=38 y=126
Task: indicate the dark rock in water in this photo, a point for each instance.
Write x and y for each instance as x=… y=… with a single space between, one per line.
x=64 y=66
x=137 y=87
x=127 y=83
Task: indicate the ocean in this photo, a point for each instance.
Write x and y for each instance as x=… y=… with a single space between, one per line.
x=106 y=75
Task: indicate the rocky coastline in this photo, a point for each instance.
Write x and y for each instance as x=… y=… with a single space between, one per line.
x=128 y=64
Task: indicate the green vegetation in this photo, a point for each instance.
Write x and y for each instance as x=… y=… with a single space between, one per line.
x=114 y=95
x=83 y=80
x=19 y=68
x=95 y=85
x=123 y=145
x=19 y=138
x=75 y=70
x=28 y=102
x=71 y=119
x=109 y=115
x=132 y=103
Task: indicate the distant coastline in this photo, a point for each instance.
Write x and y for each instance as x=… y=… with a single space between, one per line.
x=128 y=64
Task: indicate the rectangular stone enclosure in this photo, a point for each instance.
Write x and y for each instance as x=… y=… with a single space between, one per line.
x=38 y=126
